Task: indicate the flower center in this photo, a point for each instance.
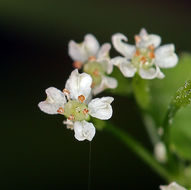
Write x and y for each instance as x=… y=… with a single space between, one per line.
x=75 y=111
x=96 y=70
x=144 y=57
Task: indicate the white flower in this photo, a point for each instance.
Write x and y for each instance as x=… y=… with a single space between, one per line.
x=75 y=104
x=95 y=61
x=172 y=186
x=145 y=57
x=160 y=152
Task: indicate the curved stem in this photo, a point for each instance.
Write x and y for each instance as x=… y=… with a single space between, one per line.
x=139 y=150
x=151 y=129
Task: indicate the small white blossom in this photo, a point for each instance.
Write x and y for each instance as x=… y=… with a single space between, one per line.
x=145 y=57
x=160 y=152
x=76 y=105
x=172 y=186
x=95 y=61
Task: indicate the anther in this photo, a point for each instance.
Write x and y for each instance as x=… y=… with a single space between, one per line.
x=77 y=64
x=60 y=110
x=91 y=58
x=137 y=53
x=71 y=117
x=137 y=39
x=151 y=55
x=96 y=72
x=85 y=111
x=66 y=91
x=143 y=59
x=151 y=47
x=81 y=98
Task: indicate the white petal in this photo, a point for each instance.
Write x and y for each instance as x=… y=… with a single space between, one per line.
x=101 y=108
x=77 y=51
x=125 y=66
x=151 y=73
x=143 y=32
x=103 y=56
x=148 y=39
x=79 y=84
x=107 y=82
x=125 y=49
x=91 y=45
x=160 y=74
x=89 y=98
x=55 y=99
x=104 y=51
x=160 y=152
x=108 y=66
x=84 y=130
x=165 y=56
x=172 y=186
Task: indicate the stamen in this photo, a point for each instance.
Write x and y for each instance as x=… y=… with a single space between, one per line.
x=81 y=98
x=143 y=59
x=92 y=58
x=77 y=64
x=85 y=111
x=151 y=47
x=60 y=110
x=66 y=91
x=137 y=39
x=96 y=72
x=137 y=53
x=71 y=117
x=151 y=55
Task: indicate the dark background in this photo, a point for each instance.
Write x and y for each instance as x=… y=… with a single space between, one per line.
x=37 y=151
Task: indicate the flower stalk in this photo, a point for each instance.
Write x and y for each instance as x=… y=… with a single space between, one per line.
x=140 y=151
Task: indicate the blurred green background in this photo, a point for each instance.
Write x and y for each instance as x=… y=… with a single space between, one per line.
x=37 y=151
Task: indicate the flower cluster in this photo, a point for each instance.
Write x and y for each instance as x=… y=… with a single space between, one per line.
x=95 y=61
x=145 y=57
x=75 y=101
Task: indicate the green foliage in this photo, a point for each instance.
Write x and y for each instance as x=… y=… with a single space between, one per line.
x=162 y=92
x=180 y=133
x=141 y=92
x=183 y=95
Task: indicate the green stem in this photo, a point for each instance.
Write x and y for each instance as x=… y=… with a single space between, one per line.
x=151 y=129
x=139 y=150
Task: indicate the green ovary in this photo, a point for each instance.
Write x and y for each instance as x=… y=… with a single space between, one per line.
x=96 y=70
x=143 y=59
x=76 y=109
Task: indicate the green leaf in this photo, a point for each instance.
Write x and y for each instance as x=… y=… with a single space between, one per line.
x=162 y=93
x=183 y=95
x=180 y=133
x=141 y=92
